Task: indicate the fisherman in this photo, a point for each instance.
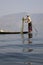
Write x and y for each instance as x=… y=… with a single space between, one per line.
x=27 y=20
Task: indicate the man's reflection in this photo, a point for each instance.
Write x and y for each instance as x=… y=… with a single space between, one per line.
x=26 y=49
x=29 y=37
x=29 y=42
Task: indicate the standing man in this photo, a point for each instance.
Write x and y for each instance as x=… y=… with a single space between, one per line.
x=29 y=26
x=27 y=20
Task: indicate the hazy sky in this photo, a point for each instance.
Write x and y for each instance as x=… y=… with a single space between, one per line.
x=16 y=6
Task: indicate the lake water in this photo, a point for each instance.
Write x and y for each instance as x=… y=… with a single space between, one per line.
x=15 y=49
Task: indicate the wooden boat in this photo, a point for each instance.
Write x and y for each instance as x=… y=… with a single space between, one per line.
x=25 y=32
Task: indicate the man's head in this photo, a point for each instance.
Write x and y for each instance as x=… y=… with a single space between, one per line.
x=27 y=15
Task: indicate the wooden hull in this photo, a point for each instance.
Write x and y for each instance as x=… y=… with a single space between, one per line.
x=13 y=32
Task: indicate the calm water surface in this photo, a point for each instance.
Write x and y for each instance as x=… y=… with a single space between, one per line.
x=15 y=49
